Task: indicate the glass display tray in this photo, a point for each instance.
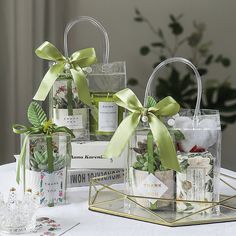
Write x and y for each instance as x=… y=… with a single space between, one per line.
x=110 y=199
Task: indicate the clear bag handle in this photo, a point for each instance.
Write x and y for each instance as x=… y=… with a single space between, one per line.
x=98 y=25
x=187 y=62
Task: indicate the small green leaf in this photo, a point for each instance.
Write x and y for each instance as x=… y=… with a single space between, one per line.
x=151 y=102
x=153 y=206
x=144 y=50
x=160 y=33
x=137 y=11
x=202 y=71
x=172 y=17
x=38 y=157
x=219 y=58
x=155 y=64
x=194 y=39
x=138 y=19
x=225 y=62
x=132 y=82
x=137 y=165
x=162 y=57
x=177 y=133
x=36 y=114
x=176 y=27
x=209 y=59
x=158 y=44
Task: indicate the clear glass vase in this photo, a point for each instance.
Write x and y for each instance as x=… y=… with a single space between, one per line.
x=47 y=178
x=66 y=109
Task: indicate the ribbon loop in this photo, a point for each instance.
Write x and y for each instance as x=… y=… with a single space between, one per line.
x=49 y=52
x=127 y=99
x=75 y=63
x=166 y=107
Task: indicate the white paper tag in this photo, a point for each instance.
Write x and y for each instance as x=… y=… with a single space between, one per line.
x=76 y=121
x=107 y=116
x=152 y=187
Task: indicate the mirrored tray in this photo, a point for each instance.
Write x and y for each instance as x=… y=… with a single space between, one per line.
x=110 y=199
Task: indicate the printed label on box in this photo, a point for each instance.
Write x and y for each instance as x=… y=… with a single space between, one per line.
x=76 y=121
x=107 y=116
x=90 y=155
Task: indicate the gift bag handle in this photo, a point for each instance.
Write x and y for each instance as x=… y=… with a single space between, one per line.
x=185 y=61
x=98 y=25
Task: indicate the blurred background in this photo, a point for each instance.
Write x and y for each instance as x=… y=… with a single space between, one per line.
x=142 y=33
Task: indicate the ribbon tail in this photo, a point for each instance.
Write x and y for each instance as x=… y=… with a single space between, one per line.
x=82 y=85
x=165 y=144
x=50 y=153
x=122 y=136
x=48 y=81
x=21 y=160
x=150 y=158
x=65 y=130
x=69 y=96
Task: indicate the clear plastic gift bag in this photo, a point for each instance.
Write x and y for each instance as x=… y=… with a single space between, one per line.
x=173 y=160
x=198 y=144
x=103 y=117
x=104 y=80
x=47 y=180
x=66 y=107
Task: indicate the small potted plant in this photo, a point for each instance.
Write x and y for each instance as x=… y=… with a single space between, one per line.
x=149 y=178
x=44 y=158
x=152 y=156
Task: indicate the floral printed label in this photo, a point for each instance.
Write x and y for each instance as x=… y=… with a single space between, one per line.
x=195 y=181
x=107 y=116
x=50 y=186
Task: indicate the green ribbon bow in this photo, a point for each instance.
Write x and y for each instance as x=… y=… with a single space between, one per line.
x=74 y=64
x=47 y=128
x=166 y=107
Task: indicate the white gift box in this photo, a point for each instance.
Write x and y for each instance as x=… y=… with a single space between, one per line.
x=90 y=155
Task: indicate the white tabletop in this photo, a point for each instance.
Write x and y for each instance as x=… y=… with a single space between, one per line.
x=94 y=224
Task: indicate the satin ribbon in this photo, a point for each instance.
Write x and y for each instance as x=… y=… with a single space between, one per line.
x=74 y=64
x=166 y=107
x=48 y=128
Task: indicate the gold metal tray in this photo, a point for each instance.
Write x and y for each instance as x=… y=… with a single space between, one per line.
x=110 y=199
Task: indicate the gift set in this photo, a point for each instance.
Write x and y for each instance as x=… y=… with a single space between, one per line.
x=172 y=173
x=98 y=131
x=66 y=149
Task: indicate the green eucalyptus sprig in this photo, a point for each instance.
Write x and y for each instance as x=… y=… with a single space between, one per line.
x=40 y=125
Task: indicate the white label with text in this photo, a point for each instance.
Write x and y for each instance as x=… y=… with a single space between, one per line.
x=107 y=116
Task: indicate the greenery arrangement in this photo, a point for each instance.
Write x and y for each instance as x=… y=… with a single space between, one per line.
x=180 y=85
x=39 y=156
x=38 y=146
x=44 y=152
